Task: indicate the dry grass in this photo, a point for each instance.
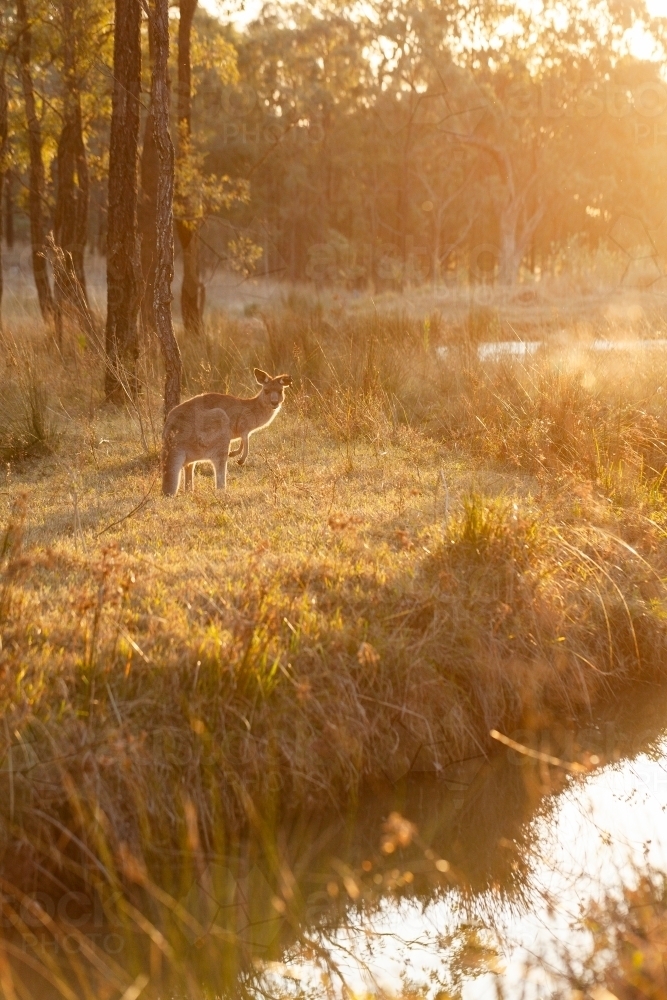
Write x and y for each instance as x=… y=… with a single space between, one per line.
x=630 y=939
x=416 y=553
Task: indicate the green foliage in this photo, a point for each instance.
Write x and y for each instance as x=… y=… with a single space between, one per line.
x=198 y=194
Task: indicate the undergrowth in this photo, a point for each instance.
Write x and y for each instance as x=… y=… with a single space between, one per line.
x=423 y=548
x=26 y=426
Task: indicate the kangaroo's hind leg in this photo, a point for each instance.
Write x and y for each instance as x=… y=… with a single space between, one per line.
x=220 y=464
x=172 y=463
x=245 y=447
x=189 y=471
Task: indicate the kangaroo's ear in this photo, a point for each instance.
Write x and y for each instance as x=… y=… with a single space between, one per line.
x=261 y=376
x=285 y=379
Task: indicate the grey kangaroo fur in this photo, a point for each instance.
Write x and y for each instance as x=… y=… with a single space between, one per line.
x=202 y=428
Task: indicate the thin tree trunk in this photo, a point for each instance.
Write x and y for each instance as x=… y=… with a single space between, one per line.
x=192 y=297
x=510 y=255
x=187 y=10
x=99 y=229
x=4 y=141
x=404 y=216
x=70 y=222
x=164 y=263
x=437 y=236
x=187 y=227
x=123 y=268
x=9 y=210
x=148 y=209
x=147 y=221
x=36 y=174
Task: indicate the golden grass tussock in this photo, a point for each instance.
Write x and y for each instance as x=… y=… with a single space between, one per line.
x=419 y=551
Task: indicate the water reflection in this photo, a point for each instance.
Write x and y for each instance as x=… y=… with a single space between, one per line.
x=444 y=884
x=493 y=350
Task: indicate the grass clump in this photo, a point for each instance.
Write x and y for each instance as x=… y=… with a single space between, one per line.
x=26 y=426
x=544 y=416
x=483 y=323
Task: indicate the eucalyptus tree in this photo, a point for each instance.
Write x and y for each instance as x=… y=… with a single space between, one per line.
x=4 y=133
x=36 y=183
x=147 y=204
x=123 y=265
x=79 y=30
x=164 y=260
x=70 y=222
x=186 y=220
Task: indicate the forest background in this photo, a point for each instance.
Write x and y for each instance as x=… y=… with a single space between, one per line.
x=375 y=146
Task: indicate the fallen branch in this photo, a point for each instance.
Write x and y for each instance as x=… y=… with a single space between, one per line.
x=546 y=758
x=134 y=510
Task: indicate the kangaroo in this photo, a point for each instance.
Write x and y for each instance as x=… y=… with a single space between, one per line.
x=202 y=428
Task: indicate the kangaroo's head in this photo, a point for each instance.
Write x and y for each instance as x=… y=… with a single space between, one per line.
x=273 y=389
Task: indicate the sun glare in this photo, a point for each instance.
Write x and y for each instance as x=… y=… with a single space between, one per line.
x=640 y=43
x=333 y=499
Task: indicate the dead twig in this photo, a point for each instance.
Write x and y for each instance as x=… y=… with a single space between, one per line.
x=134 y=510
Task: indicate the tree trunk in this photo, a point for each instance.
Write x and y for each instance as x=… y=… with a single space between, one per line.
x=510 y=253
x=187 y=10
x=437 y=237
x=123 y=269
x=70 y=222
x=192 y=297
x=148 y=209
x=164 y=263
x=404 y=212
x=9 y=210
x=4 y=141
x=36 y=173
x=187 y=227
x=147 y=221
x=516 y=231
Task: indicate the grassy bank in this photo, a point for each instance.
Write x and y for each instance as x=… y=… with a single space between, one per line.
x=419 y=551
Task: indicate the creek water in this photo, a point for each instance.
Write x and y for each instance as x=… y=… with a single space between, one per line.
x=494 y=350
x=469 y=883
x=504 y=856
x=593 y=840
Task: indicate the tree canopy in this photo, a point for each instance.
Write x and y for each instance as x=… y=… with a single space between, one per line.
x=383 y=144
